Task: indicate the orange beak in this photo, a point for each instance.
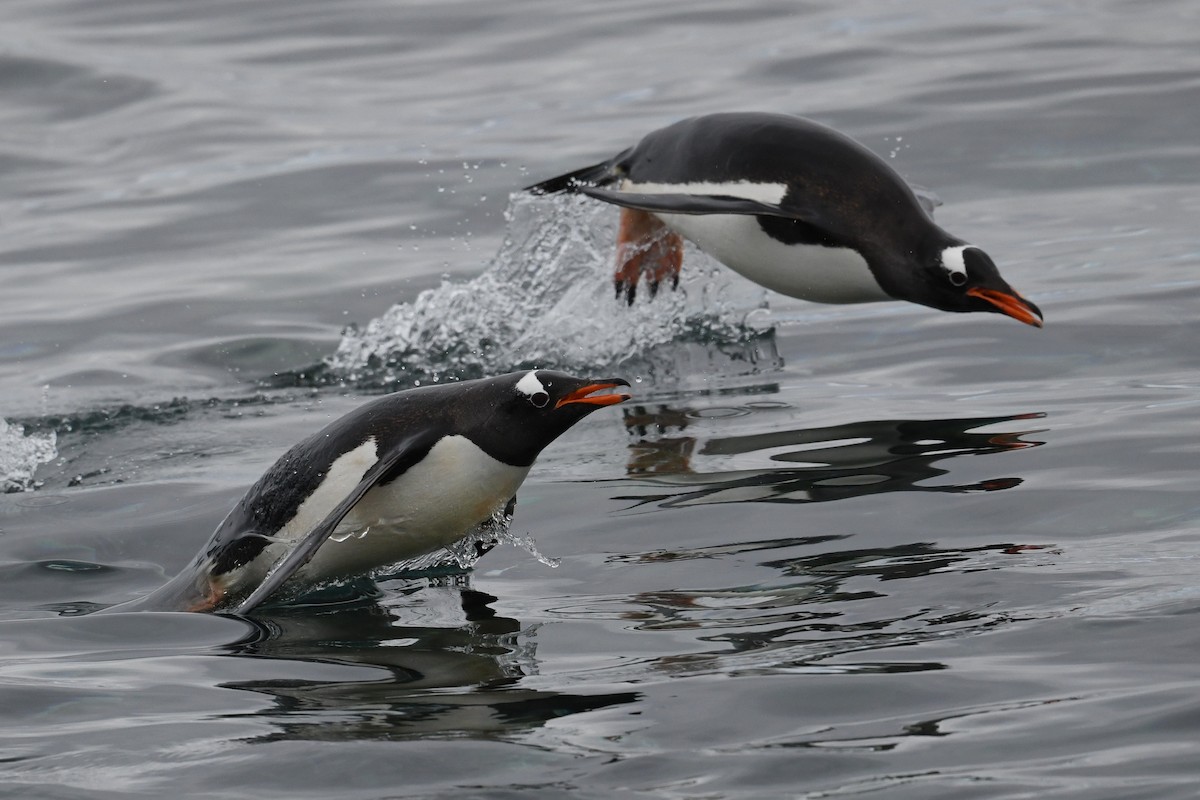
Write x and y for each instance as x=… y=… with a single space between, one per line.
x=1013 y=305
x=581 y=395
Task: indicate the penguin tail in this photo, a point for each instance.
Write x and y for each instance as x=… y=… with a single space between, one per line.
x=595 y=175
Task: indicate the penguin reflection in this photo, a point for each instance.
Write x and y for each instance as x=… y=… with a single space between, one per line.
x=859 y=458
x=462 y=679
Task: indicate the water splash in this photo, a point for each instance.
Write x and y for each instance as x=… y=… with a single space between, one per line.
x=546 y=299
x=20 y=456
x=463 y=554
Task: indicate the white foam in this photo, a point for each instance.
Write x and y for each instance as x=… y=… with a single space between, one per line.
x=20 y=456
x=547 y=299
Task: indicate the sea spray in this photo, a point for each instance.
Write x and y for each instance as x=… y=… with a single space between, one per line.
x=546 y=299
x=21 y=454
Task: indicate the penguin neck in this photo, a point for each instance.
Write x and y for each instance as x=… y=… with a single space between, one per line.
x=903 y=271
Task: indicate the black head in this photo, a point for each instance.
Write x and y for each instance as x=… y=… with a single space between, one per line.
x=952 y=276
x=513 y=417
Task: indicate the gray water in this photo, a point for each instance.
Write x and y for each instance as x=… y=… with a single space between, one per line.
x=872 y=550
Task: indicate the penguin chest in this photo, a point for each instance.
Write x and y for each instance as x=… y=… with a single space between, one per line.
x=432 y=504
x=807 y=271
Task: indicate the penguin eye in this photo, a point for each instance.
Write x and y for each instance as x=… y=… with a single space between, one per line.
x=539 y=399
x=958 y=261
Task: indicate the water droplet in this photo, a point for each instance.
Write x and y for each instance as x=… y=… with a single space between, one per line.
x=553 y=266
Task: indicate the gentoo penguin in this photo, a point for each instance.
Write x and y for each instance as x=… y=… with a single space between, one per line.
x=399 y=477
x=792 y=205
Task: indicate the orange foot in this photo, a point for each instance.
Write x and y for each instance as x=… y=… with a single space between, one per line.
x=211 y=599
x=645 y=245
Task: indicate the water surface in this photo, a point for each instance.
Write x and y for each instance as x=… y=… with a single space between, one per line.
x=826 y=551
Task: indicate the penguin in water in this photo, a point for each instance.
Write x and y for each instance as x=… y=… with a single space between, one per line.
x=792 y=205
x=399 y=477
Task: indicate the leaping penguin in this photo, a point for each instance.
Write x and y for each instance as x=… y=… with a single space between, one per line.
x=399 y=477
x=792 y=205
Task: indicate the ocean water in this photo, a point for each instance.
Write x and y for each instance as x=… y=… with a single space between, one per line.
x=860 y=551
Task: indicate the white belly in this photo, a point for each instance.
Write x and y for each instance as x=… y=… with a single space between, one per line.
x=807 y=271
x=455 y=487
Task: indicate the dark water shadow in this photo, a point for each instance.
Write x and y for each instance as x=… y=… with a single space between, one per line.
x=459 y=680
x=821 y=608
x=839 y=462
x=815 y=602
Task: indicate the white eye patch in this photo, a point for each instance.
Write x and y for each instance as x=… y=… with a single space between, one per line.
x=955 y=264
x=529 y=385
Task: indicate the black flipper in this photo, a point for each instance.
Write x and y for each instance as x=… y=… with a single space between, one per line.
x=307 y=547
x=791 y=223
x=596 y=174
x=926 y=197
